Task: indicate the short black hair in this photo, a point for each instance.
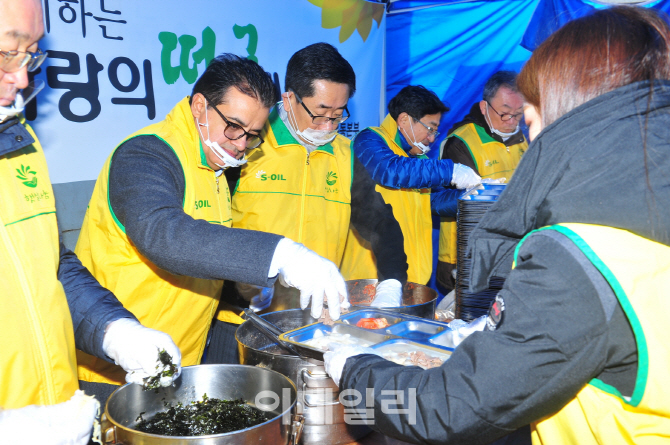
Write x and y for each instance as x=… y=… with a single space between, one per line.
x=319 y=61
x=499 y=79
x=417 y=101
x=228 y=70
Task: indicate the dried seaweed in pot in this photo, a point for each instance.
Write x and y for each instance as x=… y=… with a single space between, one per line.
x=169 y=369
x=210 y=416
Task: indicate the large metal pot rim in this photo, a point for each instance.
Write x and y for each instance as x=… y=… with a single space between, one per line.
x=287 y=412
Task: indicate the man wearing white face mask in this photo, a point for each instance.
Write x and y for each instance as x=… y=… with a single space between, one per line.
x=50 y=302
x=304 y=181
x=157 y=230
x=394 y=155
x=489 y=141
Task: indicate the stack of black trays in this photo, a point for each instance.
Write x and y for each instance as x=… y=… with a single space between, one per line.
x=471 y=209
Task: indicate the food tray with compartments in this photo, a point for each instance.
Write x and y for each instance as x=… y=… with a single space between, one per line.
x=406 y=339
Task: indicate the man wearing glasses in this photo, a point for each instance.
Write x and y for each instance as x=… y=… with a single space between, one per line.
x=50 y=302
x=488 y=140
x=304 y=182
x=394 y=155
x=158 y=233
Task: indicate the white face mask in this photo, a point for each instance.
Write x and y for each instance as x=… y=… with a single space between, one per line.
x=420 y=145
x=311 y=136
x=226 y=159
x=20 y=103
x=498 y=132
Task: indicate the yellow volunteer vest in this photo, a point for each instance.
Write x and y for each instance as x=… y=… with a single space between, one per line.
x=180 y=306
x=638 y=271
x=37 y=357
x=305 y=197
x=493 y=160
x=411 y=208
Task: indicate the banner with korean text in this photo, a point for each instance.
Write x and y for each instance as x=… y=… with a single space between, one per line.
x=115 y=66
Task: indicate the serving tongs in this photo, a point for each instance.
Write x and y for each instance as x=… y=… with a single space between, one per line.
x=272 y=332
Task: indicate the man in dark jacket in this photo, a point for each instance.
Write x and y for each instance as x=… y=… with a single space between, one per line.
x=489 y=141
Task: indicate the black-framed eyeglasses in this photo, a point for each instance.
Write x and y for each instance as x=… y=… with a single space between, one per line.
x=431 y=131
x=12 y=61
x=320 y=120
x=506 y=116
x=234 y=132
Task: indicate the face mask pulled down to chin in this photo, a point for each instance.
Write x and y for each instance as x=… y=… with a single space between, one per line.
x=22 y=98
x=420 y=145
x=498 y=132
x=226 y=159
x=310 y=135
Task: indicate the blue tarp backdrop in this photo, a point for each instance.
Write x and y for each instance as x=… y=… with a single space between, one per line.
x=552 y=14
x=453 y=47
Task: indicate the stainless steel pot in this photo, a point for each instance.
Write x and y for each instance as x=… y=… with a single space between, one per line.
x=217 y=381
x=318 y=396
x=417 y=299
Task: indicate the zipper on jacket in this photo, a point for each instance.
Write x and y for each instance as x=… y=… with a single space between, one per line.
x=216 y=177
x=302 y=198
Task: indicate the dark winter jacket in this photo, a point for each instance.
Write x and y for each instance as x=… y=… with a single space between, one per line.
x=556 y=334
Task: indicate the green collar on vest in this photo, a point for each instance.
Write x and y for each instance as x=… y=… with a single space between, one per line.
x=284 y=136
x=203 y=158
x=483 y=135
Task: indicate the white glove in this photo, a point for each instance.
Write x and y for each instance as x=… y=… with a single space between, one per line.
x=312 y=275
x=460 y=330
x=388 y=294
x=335 y=359
x=463 y=177
x=258 y=297
x=67 y=423
x=494 y=181
x=136 y=348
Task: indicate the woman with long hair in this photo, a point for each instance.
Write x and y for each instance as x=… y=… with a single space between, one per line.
x=575 y=342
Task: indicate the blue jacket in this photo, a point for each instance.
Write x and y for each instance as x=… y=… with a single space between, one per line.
x=91 y=306
x=415 y=172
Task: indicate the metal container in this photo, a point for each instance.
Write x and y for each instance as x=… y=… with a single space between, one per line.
x=418 y=333
x=262 y=388
x=417 y=299
x=318 y=396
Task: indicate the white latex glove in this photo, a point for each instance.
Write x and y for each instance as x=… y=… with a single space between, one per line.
x=136 y=348
x=494 y=181
x=67 y=423
x=312 y=275
x=462 y=329
x=335 y=359
x=464 y=177
x=388 y=294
